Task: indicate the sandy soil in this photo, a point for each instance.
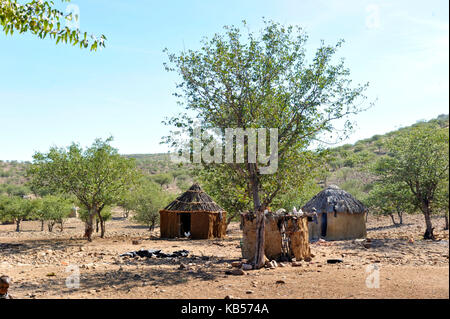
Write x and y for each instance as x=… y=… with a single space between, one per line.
x=39 y=264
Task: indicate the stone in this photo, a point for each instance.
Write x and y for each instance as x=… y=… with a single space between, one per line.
x=247 y=267
x=136 y=242
x=235 y=272
x=236 y=264
x=334 y=261
x=280 y=282
x=248 y=292
x=296 y=264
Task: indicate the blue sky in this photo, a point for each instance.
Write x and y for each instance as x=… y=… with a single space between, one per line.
x=53 y=95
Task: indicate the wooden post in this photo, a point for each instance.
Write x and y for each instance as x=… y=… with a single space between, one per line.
x=260 y=229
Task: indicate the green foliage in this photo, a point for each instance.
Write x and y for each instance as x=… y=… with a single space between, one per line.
x=227 y=190
x=388 y=198
x=239 y=80
x=55 y=209
x=146 y=201
x=344 y=163
x=106 y=215
x=163 y=179
x=17 y=209
x=97 y=176
x=14 y=190
x=40 y=18
x=418 y=159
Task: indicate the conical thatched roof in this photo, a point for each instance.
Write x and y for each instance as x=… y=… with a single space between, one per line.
x=334 y=200
x=194 y=200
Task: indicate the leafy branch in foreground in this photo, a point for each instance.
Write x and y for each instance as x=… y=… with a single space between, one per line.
x=42 y=19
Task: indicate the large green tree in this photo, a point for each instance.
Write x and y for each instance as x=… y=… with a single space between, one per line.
x=418 y=159
x=42 y=19
x=265 y=80
x=97 y=176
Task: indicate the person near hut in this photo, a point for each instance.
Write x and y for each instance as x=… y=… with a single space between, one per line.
x=5 y=281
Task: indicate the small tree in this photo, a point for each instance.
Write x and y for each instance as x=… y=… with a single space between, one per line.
x=18 y=209
x=55 y=209
x=148 y=200
x=39 y=213
x=389 y=199
x=162 y=179
x=97 y=176
x=4 y=202
x=418 y=159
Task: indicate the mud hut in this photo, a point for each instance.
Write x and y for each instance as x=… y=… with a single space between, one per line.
x=193 y=212
x=339 y=215
x=285 y=236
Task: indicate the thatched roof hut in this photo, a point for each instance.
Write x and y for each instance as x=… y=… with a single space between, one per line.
x=194 y=212
x=340 y=215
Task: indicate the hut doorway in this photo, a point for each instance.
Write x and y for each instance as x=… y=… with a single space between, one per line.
x=324 y=224
x=185 y=224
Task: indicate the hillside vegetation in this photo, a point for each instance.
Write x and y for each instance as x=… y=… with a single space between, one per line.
x=347 y=166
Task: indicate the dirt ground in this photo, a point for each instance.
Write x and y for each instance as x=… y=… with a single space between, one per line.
x=45 y=265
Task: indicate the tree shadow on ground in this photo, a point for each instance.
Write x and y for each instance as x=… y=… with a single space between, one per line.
x=120 y=280
x=396 y=226
x=136 y=227
x=35 y=245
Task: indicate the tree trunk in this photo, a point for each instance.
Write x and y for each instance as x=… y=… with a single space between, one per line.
x=260 y=217
x=50 y=226
x=260 y=229
x=42 y=225
x=96 y=225
x=102 y=224
x=18 y=225
x=61 y=224
x=103 y=229
x=89 y=225
x=400 y=216
x=429 y=230
x=446 y=222
x=393 y=220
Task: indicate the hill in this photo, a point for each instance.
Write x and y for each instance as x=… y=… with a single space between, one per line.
x=346 y=167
